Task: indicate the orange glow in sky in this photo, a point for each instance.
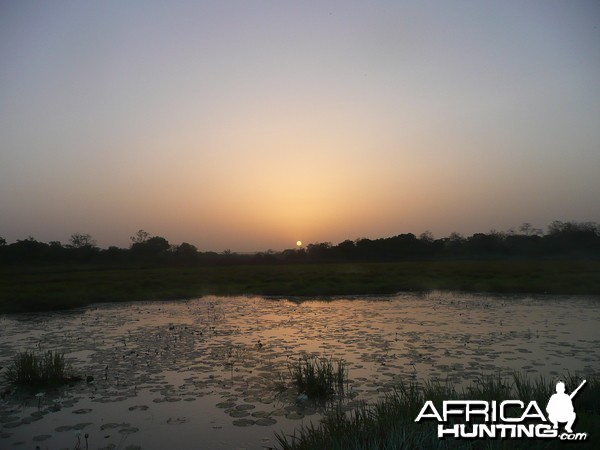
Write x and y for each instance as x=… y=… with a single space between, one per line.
x=249 y=125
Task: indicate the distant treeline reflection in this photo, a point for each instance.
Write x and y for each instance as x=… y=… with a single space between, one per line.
x=562 y=239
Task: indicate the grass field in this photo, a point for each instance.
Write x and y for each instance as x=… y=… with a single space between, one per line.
x=39 y=288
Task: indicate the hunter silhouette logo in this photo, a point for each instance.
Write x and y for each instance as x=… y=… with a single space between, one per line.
x=507 y=419
x=560 y=407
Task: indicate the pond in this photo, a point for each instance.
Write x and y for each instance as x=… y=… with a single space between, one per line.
x=214 y=372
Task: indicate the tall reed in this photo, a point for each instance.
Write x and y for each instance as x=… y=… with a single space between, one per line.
x=319 y=378
x=389 y=423
x=39 y=369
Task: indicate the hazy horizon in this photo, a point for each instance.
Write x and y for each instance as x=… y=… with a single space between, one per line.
x=427 y=234
x=250 y=125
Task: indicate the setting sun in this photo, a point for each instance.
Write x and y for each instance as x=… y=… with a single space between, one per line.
x=299 y=243
x=344 y=145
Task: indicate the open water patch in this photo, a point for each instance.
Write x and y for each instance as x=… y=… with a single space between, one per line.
x=217 y=369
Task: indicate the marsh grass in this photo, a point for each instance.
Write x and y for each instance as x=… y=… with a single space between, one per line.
x=37 y=369
x=38 y=288
x=319 y=378
x=389 y=423
x=492 y=387
x=539 y=389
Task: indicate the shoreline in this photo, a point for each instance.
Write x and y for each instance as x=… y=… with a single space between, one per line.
x=48 y=288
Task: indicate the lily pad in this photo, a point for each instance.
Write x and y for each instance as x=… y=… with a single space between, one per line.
x=139 y=408
x=108 y=426
x=41 y=437
x=225 y=405
x=177 y=420
x=244 y=407
x=266 y=421
x=243 y=422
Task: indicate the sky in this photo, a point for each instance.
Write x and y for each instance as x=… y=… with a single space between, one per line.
x=249 y=125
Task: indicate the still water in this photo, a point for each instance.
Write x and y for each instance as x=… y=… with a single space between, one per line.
x=214 y=372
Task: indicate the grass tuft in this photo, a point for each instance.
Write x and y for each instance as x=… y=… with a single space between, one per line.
x=319 y=378
x=36 y=369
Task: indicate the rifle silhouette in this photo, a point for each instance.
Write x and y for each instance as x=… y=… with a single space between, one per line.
x=577 y=390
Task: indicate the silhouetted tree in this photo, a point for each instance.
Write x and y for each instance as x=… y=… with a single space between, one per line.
x=115 y=255
x=345 y=250
x=186 y=252
x=81 y=240
x=26 y=251
x=318 y=252
x=482 y=244
x=57 y=253
x=426 y=236
x=523 y=245
x=294 y=255
x=454 y=244
x=81 y=248
x=525 y=228
x=364 y=248
x=154 y=249
x=573 y=237
x=428 y=245
x=140 y=237
x=563 y=239
x=456 y=237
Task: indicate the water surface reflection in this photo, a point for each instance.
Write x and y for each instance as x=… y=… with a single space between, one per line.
x=213 y=372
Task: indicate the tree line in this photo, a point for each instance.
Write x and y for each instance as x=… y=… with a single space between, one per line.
x=561 y=240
